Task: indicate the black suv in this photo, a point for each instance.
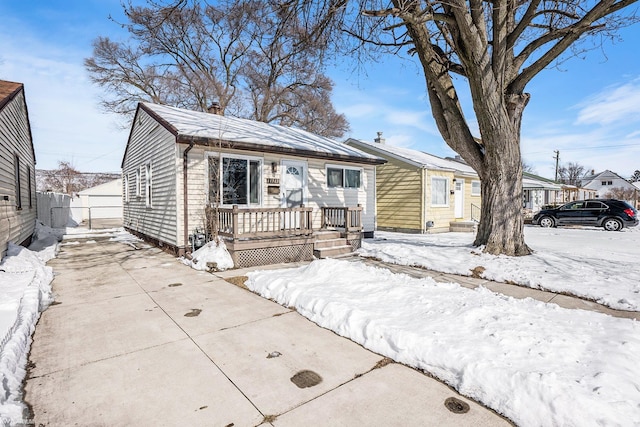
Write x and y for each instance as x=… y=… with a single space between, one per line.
x=611 y=214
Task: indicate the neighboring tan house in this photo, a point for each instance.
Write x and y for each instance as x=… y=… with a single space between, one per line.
x=418 y=192
x=604 y=182
x=17 y=168
x=102 y=202
x=266 y=189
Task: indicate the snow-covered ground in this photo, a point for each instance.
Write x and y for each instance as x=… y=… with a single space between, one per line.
x=603 y=266
x=25 y=291
x=538 y=364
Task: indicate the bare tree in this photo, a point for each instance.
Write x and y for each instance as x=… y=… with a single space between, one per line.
x=528 y=167
x=68 y=180
x=572 y=174
x=252 y=57
x=635 y=177
x=495 y=48
x=622 y=193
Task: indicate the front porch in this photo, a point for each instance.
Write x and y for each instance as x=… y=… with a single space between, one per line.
x=263 y=236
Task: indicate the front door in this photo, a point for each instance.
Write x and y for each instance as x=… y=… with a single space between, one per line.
x=459 y=198
x=294 y=182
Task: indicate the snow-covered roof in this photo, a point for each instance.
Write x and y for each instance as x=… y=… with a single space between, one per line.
x=415 y=157
x=206 y=128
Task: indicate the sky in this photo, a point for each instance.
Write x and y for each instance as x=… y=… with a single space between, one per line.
x=588 y=110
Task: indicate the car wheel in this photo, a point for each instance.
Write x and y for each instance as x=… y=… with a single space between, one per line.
x=547 y=221
x=612 y=224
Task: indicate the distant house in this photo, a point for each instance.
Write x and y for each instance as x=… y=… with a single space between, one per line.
x=17 y=168
x=539 y=191
x=422 y=193
x=604 y=182
x=266 y=189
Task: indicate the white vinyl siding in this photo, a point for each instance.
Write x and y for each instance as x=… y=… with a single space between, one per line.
x=16 y=225
x=152 y=145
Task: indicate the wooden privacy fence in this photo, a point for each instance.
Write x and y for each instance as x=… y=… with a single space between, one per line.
x=349 y=218
x=240 y=223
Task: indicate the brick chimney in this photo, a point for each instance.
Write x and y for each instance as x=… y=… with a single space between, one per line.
x=215 y=108
x=379 y=139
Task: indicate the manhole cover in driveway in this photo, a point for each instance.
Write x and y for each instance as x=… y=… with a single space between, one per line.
x=305 y=379
x=456 y=406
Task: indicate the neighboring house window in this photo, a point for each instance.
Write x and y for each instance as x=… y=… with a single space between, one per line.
x=239 y=178
x=16 y=165
x=138 y=183
x=29 y=186
x=125 y=183
x=338 y=176
x=607 y=182
x=439 y=191
x=475 y=188
x=147 y=183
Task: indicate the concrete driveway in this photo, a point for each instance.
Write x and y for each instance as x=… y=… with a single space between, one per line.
x=137 y=338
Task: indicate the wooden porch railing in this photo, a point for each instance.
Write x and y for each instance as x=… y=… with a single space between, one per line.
x=349 y=218
x=240 y=223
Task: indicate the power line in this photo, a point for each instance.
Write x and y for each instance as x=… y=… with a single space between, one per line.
x=597 y=147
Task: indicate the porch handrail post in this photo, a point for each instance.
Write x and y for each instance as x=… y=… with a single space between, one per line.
x=234 y=221
x=347 y=219
x=301 y=216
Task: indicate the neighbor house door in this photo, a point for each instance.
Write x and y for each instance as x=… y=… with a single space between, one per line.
x=459 y=198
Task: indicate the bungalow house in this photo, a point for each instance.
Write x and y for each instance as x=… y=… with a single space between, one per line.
x=418 y=192
x=266 y=189
x=17 y=168
x=609 y=184
x=539 y=191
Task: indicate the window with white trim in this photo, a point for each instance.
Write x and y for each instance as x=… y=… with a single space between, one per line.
x=148 y=188
x=125 y=184
x=475 y=188
x=138 y=183
x=238 y=181
x=345 y=177
x=439 y=191
x=16 y=166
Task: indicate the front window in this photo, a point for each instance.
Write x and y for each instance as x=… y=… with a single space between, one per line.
x=344 y=177
x=239 y=178
x=439 y=191
x=475 y=188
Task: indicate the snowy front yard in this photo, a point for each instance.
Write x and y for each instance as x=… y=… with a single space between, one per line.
x=536 y=363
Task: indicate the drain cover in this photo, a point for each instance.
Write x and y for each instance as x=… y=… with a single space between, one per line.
x=304 y=379
x=456 y=406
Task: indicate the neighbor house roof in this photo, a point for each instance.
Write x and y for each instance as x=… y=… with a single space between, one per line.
x=531 y=182
x=230 y=132
x=8 y=91
x=415 y=157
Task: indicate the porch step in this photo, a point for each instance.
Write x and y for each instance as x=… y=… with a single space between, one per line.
x=463 y=226
x=330 y=243
x=332 y=252
x=327 y=235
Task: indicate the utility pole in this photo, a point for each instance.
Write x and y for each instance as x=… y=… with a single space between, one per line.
x=557 y=157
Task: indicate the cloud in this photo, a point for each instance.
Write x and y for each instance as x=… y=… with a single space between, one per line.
x=612 y=105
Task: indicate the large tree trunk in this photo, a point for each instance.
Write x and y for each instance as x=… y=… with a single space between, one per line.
x=501 y=227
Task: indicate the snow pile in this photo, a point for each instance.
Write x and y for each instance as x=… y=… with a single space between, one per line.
x=536 y=363
x=25 y=291
x=590 y=263
x=214 y=252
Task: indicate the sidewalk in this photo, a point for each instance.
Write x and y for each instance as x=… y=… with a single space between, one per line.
x=137 y=338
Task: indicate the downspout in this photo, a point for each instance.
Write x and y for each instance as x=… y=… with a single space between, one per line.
x=185 y=189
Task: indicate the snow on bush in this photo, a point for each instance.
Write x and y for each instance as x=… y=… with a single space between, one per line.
x=213 y=252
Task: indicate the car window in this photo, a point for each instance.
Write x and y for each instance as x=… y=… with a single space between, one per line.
x=596 y=205
x=574 y=205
